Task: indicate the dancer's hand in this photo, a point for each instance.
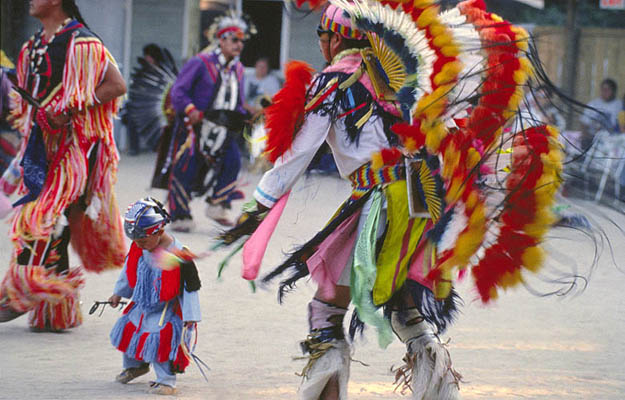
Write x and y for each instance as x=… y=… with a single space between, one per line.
x=57 y=120
x=195 y=116
x=115 y=299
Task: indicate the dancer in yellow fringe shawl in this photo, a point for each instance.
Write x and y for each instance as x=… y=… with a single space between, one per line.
x=65 y=168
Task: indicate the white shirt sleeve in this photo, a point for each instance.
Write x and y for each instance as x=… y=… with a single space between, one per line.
x=292 y=164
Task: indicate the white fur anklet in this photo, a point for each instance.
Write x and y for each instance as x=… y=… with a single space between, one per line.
x=332 y=362
x=427 y=371
x=326 y=350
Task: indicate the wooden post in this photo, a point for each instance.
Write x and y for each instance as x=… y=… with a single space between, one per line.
x=571 y=55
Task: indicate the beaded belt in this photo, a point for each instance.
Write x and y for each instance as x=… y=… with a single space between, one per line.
x=365 y=178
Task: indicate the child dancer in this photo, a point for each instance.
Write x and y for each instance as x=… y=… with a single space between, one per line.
x=157 y=325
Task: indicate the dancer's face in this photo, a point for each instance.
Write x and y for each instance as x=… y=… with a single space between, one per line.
x=330 y=45
x=42 y=8
x=151 y=242
x=231 y=46
x=324 y=46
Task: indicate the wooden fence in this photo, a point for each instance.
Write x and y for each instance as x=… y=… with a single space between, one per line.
x=601 y=55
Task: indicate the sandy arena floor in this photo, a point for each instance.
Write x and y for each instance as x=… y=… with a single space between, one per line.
x=523 y=346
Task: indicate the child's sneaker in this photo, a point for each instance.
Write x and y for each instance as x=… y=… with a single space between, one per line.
x=162 y=389
x=131 y=373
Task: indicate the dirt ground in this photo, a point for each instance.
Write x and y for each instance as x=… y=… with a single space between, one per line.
x=522 y=346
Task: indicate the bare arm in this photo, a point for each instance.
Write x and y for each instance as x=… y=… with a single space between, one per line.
x=112 y=86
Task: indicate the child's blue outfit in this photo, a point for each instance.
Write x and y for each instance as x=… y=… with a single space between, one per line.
x=151 y=328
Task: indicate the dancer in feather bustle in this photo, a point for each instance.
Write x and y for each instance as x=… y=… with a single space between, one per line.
x=208 y=99
x=65 y=168
x=148 y=113
x=413 y=106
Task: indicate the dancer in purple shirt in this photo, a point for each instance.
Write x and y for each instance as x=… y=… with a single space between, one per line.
x=208 y=100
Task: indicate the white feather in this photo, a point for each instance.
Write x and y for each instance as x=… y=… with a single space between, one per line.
x=457 y=224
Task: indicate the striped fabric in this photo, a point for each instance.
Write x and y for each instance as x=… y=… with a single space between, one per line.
x=329 y=24
x=365 y=178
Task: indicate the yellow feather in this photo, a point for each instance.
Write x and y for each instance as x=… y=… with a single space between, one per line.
x=478 y=216
x=452 y=158
x=410 y=144
x=454 y=190
x=442 y=39
x=428 y=16
x=521 y=37
x=448 y=73
x=450 y=50
x=526 y=66
x=473 y=158
x=553 y=131
x=472 y=200
x=376 y=161
x=520 y=77
x=422 y=3
x=438 y=29
x=533 y=258
x=434 y=136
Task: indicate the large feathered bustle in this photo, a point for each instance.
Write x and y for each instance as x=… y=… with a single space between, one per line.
x=147 y=110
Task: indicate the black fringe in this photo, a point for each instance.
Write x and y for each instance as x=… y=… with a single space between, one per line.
x=356 y=326
x=440 y=313
x=244 y=228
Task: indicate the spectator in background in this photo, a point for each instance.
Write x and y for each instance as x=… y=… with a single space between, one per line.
x=608 y=106
x=153 y=54
x=260 y=84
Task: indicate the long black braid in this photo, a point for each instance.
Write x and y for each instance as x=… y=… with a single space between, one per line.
x=71 y=9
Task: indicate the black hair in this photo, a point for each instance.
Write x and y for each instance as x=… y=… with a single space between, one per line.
x=356 y=43
x=612 y=84
x=153 y=51
x=349 y=43
x=71 y=9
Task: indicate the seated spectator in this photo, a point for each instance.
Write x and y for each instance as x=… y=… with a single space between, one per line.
x=262 y=83
x=608 y=106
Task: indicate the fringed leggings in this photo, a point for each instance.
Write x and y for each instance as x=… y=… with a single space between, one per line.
x=39 y=280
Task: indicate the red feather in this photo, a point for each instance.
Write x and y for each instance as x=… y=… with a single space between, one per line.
x=284 y=116
x=406 y=131
x=391 y=155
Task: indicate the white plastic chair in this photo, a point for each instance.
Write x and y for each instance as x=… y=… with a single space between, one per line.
x=607 y=156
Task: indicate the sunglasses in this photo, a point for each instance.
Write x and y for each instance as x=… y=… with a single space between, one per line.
x=234 y=39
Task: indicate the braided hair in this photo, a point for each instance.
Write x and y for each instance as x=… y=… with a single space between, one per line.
x=71 y=9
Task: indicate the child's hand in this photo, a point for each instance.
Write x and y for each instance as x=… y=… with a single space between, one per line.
x=115 y=299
